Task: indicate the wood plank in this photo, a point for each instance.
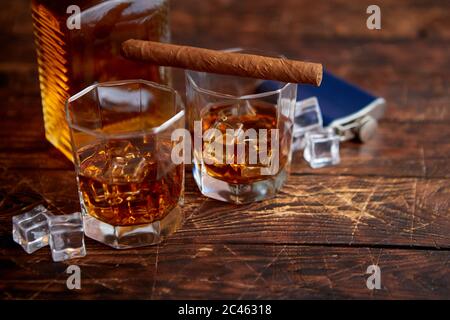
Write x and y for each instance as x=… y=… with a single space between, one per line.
x=311 y=209
x=292 y=19
x=401 y=18
x=398 y=150
x=226 y=271
x=328 y=210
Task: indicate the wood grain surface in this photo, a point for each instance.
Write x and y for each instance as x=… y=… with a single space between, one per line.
x=387 y=203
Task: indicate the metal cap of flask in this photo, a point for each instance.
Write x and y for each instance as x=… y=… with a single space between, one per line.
x=367 y=128
x=362 y=129
x=361 y=125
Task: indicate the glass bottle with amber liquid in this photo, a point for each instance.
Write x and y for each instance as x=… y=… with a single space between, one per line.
x=78 y=44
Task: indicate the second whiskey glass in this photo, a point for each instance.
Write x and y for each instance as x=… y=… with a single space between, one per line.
x=242 y=136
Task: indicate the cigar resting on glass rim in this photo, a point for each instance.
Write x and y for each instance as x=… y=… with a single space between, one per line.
x=223 y=62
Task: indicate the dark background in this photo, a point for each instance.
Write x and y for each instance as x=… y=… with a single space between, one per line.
x=387 y=203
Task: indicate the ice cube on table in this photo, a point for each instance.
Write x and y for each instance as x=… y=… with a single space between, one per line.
x=308 y=117
x=322 y=148
x=30 y=229
x=66 y=236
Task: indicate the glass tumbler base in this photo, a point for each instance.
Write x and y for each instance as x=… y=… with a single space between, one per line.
x=238 y=193
x=124 y=237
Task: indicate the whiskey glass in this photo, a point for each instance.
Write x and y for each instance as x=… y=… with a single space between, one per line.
x=130 y=190
x=242 y=135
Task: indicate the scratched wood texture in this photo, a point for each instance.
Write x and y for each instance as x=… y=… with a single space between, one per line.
x=387 y=203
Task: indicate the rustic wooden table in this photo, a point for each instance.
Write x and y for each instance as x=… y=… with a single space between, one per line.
x=387 y=203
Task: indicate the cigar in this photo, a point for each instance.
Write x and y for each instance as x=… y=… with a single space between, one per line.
x=231 y=63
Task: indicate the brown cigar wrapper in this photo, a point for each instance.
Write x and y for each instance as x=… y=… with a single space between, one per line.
x=214 y=61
